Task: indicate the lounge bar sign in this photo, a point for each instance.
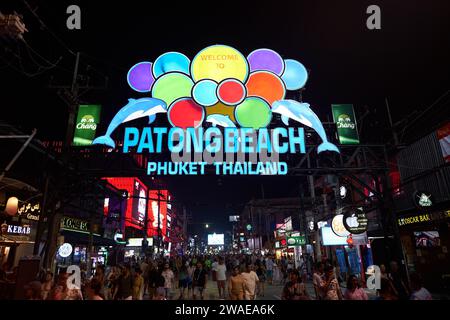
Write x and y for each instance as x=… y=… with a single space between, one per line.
x=423 y=218
x=74 y=224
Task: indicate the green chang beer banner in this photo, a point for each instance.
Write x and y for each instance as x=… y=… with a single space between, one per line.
x=344 y=117
x=87 y=120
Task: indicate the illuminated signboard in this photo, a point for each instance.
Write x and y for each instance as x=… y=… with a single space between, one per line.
x=139 y=203
x=137 y=242
x=65 y=250
x=154 y=195
x=295 y=241
x=30 y=211
x=355 y=221
x=222 y=87
x=216 y=239
x=135 y=205
x=423 y=199
x=86 y=125
x=78 y=225
x=423 y=218
x=337 y=225
x=344 y=117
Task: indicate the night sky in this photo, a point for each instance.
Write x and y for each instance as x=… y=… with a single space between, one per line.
x=406 y=61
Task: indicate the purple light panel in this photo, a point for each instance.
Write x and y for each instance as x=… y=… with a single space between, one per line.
x=267 y=60
x=140 y=77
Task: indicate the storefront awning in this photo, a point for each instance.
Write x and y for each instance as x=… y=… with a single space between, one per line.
x=78 y=238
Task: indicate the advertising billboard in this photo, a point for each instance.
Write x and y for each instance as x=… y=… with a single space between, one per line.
x=135 y=207
x=329 y=238
x=216 y=239
x=344 y=117
x=153 y=209
x=88 y=118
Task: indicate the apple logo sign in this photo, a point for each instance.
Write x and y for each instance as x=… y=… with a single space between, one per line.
x=352 y=221
x=355 y=221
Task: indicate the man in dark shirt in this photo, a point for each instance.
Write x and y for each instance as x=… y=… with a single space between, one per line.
x=125 y=289
x=199 y=281
x=397 y=280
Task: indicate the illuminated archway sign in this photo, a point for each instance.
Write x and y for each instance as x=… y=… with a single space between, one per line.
x=219 y=87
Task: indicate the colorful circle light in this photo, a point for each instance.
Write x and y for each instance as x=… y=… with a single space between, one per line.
x=186 y=113
x=140 y=77
x=295 y=75
x=267 y=60
x=253 y=113
x=171 y=62
x=172 y=86
x=219 y=62
x=231 y=91
x=204 y=92
x=266 y=85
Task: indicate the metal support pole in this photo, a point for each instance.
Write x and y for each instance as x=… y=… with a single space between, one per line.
x=11 y=163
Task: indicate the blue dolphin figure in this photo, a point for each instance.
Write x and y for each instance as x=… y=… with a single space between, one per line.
x=291 y=109
x=220 y=120
x=135 y=109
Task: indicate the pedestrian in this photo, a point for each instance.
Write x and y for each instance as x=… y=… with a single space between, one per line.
x=387 y=291
x=277 y=276
x=354 y=290
x=183 y=280
x=33 y=291
x=93 y=290
x=269 y=269
x=125 y=284
x=261 y=273
x=62 y=292
x=236 y=285
x=318 y=280
x=250 y=281
x=112 y=283
x=190 y=280
x=418 y=291
x=138 y=285
x=47 y=285
x=295 y=289
x=199 y=281
x=153 y=276
x=330 y=287
x=169 y=279
x=397 y=280
x=101 y=279
x=214 y=270
x=221 y=276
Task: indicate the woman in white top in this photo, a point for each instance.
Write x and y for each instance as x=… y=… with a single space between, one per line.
x=330 y=287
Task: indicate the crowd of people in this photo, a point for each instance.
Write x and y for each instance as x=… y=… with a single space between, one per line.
x=237 y=277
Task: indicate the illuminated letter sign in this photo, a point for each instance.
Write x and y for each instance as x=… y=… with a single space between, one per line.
x=226 y=89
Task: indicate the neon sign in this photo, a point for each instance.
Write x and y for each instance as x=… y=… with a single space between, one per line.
x=223 y=88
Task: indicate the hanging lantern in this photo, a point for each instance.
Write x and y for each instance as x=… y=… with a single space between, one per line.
x=350 y=241
x=12 y=206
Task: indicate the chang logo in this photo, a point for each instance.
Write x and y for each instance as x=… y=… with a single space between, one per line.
x=345 y=122
x=87 y=123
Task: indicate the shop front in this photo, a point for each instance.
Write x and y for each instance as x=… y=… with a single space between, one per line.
x=73 y=244
x=16 y=241
x=425 y=238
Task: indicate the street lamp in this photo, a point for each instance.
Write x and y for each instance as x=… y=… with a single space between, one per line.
x=207 y=226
